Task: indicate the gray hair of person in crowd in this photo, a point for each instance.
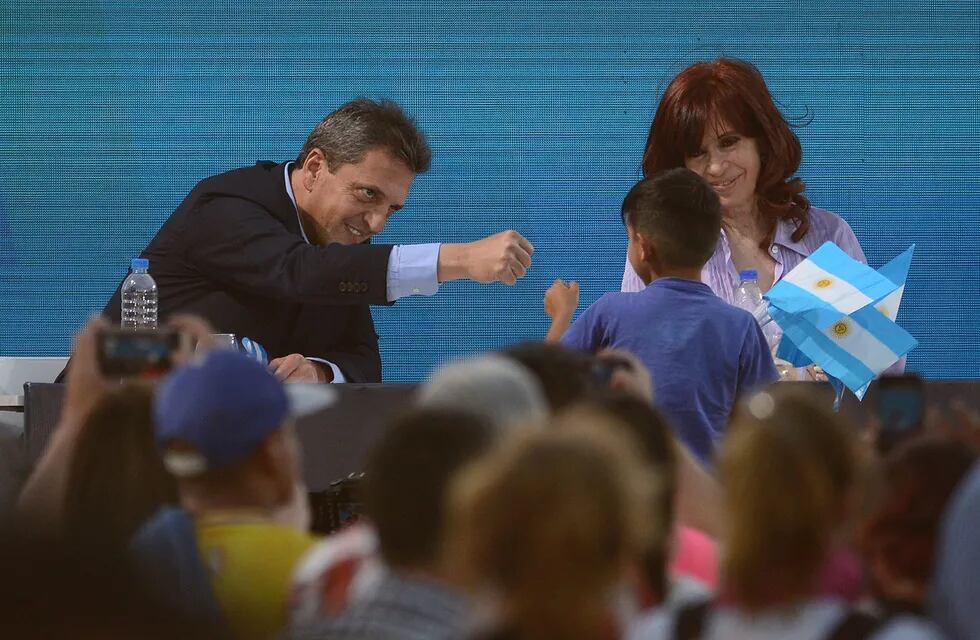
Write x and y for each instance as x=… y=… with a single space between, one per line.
x=346 y=135
x=497 y=389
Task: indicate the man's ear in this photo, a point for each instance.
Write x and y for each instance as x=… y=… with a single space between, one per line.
x=313 y=165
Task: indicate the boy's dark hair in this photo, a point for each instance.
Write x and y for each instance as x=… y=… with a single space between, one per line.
x=679 y=212
x=408 y=475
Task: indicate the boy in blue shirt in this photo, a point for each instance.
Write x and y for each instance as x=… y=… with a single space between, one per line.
x=702 y=352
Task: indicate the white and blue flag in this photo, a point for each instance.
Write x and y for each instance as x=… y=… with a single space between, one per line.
x=254 y=350
x=897 y=271
x=854 y=349
x=827 y=286
x=845 y=326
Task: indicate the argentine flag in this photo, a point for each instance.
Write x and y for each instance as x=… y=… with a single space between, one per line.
x=897 y=271
x=854 y=349
x=827 y=286
x=857 y=346
x=254 y=350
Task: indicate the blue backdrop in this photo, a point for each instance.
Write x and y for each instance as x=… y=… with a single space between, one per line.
x=537 y=114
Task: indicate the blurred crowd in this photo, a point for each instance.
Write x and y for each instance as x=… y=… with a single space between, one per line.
x=534 y=492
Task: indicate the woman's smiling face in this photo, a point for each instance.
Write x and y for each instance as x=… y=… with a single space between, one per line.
x=730 y=162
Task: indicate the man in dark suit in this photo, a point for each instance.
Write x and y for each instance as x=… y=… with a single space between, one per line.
x=279 y=252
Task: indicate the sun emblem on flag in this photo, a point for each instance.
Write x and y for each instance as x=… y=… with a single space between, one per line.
x=823 y=283
x=840 y=329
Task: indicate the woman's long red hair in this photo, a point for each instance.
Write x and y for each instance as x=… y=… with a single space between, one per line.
x=733 y=92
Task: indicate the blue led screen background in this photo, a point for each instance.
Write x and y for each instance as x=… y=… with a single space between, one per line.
x=537 y=114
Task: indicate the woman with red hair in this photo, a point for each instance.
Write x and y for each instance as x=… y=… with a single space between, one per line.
x=718 y=119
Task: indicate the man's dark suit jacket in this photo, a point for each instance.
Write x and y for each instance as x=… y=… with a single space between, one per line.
x=233 y=252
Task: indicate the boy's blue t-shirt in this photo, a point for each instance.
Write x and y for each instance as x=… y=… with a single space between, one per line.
x=702 y=352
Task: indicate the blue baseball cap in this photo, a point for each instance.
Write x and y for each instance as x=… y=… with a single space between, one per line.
x=221 y=407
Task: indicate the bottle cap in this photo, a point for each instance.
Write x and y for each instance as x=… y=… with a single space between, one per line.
x=749 y=274
x=140 y=263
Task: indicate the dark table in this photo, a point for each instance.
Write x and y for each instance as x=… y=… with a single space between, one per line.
x=336 y=440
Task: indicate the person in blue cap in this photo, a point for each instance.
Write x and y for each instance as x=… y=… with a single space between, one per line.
x=224 y=431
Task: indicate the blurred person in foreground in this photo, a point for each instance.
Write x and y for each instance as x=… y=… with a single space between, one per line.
x=685 y=568
x=790 y=473
x=116 y=456
x=620 y=383
x=702 y=352
x=545 y=530
x=227 y=553
x=900 y=536
x=404 y=493
x=348 y=565
x=56 y=590
x=103 y=445
x=565 y=376
x=955 y=590
x=955 y=586
x=497 y=389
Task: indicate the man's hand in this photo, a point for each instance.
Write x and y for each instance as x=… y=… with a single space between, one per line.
x=296 y=368
x=503 y=257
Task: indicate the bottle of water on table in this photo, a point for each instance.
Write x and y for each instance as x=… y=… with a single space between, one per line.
x=139 y=297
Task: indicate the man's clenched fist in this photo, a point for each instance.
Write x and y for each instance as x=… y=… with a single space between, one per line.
x=502 y=257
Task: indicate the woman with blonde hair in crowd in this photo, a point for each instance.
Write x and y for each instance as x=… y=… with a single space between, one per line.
x=545 y=529
x=790 y=470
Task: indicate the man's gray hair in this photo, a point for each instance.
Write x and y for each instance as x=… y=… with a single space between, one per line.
x=347 y=134
x=497 y=389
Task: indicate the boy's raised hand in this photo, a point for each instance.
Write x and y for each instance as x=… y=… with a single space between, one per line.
x=561 y=299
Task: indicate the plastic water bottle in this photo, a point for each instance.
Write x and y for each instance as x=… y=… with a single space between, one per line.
x=748 y=296
x=139 y=297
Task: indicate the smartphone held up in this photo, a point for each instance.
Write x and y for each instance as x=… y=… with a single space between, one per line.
x=140 y=353
x=900 y=408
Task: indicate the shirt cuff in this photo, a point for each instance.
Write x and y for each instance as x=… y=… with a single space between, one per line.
x=338 y=375
x=412 y=270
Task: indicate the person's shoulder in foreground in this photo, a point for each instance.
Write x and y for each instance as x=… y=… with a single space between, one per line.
x=396 y=607
x=956 y=589
x=816 y=619
x=411 y=594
